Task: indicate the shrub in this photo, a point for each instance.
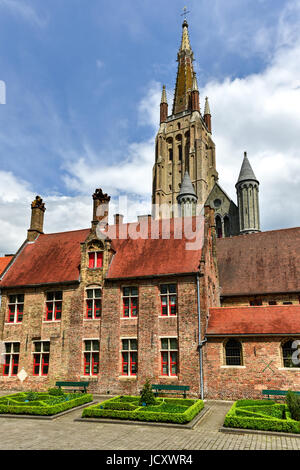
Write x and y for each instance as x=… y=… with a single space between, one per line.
x=118 y=406
x=293 y=403
x=164 y=412
x=31 y=396
x=266 y=418
x=147 y=395
x=56 y=391
x=42 y=408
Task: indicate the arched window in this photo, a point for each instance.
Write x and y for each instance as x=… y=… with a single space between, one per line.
x=219 y=227
x=288 y=349
x=233 y=353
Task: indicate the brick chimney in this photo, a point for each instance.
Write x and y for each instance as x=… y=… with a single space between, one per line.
x=118 y=219
x=100 y=209
x=37 y=219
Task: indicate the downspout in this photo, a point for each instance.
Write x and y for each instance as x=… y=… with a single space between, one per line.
x=200 y=343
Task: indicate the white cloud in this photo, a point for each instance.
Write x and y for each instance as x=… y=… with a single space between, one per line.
x=260 y=114
x=24 y=10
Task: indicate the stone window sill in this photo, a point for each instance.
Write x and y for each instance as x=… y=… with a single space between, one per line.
x=168 y=377
x=296 y=369
x=127 y=377
x=233 y=367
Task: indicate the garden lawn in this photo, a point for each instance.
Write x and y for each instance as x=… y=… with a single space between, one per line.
x=166 y=410
x=265 y=415
x=43 y=405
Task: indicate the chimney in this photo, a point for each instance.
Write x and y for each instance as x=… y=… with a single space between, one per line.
x=118 y=219
x=37 y=219
x=100 y=209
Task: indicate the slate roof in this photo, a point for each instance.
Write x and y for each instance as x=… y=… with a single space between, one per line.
x=246 y=172
x=265 y=320
x=260 y=263
x=187 y=187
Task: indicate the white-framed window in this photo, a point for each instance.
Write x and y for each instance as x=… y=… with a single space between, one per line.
x=93 y=301
x=41 y=358
x=54 y=305
x=129 y=356
x=168 y=297
x=11 y=359
x=130 y=302
x=15 y=308
x=169 y=356
x=91 y=356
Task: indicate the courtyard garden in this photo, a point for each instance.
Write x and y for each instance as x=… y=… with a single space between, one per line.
x=42 y=403
x=266 y=415
x=146 y=408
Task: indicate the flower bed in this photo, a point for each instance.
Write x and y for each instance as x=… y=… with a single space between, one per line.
x=166 y=410
x=43 y=403
x=264 y=415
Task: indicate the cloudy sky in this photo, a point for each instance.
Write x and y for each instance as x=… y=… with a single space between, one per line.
x=83 y=82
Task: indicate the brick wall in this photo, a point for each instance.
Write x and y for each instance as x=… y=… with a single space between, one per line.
x=262 y=369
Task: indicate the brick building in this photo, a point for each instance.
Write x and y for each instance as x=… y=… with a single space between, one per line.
x=116 y=304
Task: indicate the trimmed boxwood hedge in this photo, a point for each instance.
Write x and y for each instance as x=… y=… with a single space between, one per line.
x=182 y=414
x=12 y=404
x=264 y=415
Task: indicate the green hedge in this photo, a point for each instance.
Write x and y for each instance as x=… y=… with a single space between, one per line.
x=264 y=418
x=141 y=413
x=41 y=407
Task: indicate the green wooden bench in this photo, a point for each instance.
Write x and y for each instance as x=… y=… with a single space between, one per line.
x=277 y=392
x=179 y=389
x=75 y=385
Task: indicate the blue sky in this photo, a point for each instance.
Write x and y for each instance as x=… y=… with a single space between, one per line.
x=83 y=80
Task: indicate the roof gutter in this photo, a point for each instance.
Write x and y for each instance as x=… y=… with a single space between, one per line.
x=150 y=276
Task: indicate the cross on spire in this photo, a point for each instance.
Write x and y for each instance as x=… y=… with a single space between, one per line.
x=185 y=12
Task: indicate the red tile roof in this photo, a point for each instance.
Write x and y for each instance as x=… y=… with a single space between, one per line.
x=4 y=262
x=52 y=258
x=260 y=263
x=55 y=258
x=153 y=257
x=269 y=320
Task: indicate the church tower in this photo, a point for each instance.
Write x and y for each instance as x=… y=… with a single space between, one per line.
x=247 y=188
x=183 y=142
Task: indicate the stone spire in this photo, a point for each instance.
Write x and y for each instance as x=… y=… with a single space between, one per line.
x=163 y=105
x=247 y=188
x=185 y=73
x=187 y=197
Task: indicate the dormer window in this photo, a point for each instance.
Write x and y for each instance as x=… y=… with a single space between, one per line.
x=95 y=259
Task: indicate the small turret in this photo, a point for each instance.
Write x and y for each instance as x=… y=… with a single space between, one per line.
x=247 y=188
x=163 y=105
x=195 y=95
x=207 y=115
x=187 y=197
